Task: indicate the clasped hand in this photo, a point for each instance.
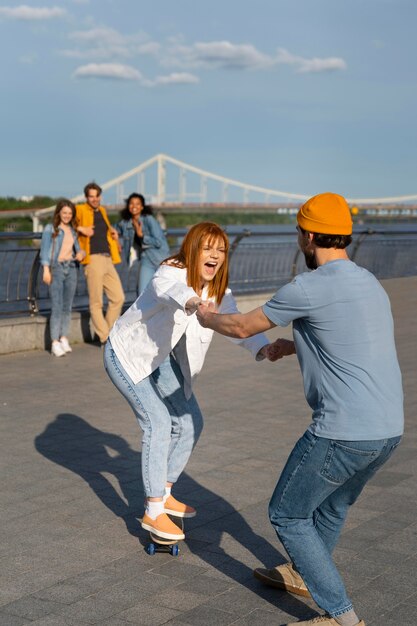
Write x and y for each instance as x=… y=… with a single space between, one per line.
x=197 y=305
x=204 y=310
x=278 y=349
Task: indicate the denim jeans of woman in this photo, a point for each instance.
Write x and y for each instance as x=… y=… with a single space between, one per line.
x=320 y=480
x=171 y=424
x=62 y=291
x=146 y=271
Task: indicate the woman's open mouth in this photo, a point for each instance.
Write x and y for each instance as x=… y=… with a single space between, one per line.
x=210 y=268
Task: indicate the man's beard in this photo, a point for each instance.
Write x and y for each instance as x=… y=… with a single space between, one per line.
x=310 y=259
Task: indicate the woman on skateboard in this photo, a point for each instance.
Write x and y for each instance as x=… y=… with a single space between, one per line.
x=153 y=354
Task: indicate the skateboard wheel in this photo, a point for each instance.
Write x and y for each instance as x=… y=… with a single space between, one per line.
x=174 y=550
x=151 y=549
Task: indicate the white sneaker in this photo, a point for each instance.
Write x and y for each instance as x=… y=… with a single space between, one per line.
x=65 y=345
x=57 y=349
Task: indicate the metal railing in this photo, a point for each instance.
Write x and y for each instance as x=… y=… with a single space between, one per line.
x=261 y=260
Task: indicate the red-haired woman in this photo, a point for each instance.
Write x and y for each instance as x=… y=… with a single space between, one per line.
x=60 y=251
x=155 y=351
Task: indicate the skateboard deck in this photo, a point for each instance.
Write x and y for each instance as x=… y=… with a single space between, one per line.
x=160 y=544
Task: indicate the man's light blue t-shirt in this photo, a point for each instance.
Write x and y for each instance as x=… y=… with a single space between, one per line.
x=344 y=338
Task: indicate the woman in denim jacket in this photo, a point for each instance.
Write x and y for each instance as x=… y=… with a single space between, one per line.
x=60 y=252
x=142 y=238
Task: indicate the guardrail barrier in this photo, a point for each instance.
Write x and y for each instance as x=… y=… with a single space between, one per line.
x=262 y=259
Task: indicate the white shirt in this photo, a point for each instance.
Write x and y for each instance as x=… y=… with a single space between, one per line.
x=151 y=328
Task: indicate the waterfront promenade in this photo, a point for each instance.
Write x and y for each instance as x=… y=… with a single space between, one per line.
x=72 y=550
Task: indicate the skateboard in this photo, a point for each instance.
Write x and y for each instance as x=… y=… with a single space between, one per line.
x=159 y=544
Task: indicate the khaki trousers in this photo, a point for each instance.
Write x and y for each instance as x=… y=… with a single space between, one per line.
x=101 y=276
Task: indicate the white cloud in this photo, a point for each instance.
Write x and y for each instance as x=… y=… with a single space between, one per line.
x=97 y=53
x=286 y=58
x=24 y=12
x=107 y=43
x=306 y=66
x=224 y=54
x=218 y=54
x=151 y=47
x=102 y=35
x=177 y=78
x=109 y=71
x=117 y=71
x=321 y=65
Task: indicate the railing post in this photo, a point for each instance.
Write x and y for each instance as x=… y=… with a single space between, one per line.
x=294 y=263
x=358 y=242
x=32 y=283
x=237 y=240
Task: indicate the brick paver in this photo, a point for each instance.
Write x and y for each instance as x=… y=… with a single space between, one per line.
x=72 y=550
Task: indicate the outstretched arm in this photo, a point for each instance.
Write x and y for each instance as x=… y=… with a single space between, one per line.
x=237 y=325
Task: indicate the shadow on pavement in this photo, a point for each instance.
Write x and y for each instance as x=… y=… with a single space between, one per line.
x=71 y=442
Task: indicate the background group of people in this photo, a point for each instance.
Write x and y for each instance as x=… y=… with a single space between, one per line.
x=83 y=234
x=343 y=338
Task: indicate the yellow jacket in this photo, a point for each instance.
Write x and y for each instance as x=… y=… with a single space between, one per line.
x=85 y=217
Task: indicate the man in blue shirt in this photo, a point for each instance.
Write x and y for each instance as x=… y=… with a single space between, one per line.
x=344 y=341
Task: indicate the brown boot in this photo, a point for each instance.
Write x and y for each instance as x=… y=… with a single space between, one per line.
x=283 y=577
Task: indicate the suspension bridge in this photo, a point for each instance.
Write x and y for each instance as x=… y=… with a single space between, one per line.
x=167 y=181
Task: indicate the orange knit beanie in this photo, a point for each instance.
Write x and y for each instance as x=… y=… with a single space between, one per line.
x=326 y=213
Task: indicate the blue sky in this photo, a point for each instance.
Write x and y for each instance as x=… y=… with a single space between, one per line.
x=301 y=95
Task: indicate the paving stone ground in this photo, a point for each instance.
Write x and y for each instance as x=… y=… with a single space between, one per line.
x=72 y=551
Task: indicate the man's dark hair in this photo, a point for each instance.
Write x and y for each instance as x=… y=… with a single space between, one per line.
x=92 y=186
x=330 y=241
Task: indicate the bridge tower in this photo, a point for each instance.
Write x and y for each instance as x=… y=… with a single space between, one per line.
x=161 y=178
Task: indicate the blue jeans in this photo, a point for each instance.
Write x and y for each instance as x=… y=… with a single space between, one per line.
x=146 y=271
x=171 y=424
x=62 y=291
x=308 y=508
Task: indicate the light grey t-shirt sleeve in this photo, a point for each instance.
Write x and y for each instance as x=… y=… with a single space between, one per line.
x=288 y=304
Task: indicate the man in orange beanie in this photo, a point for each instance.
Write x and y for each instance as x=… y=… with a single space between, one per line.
x=344 y=341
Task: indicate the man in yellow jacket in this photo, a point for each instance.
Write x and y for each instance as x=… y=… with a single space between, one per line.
x=99 y=240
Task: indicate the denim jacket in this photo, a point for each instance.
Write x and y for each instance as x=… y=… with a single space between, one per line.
x=154 y=244
x=126 y=238
x=53 y=245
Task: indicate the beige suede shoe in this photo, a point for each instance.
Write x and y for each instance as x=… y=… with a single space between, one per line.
x=178 y=509
x=163 y=527
x=283 y=577
x=324 y=620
